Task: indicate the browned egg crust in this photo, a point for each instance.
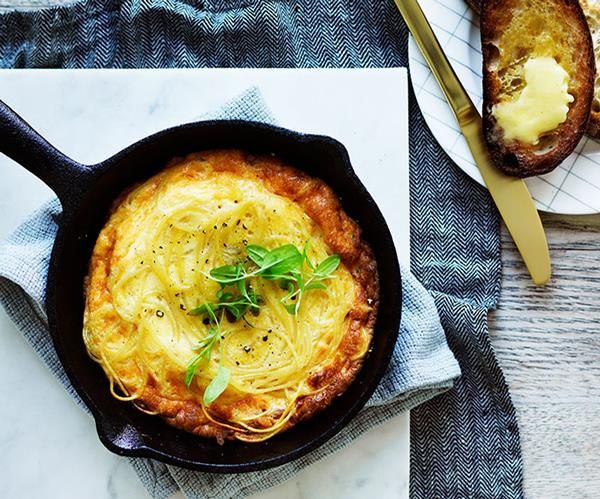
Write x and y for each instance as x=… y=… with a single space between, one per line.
x=342 y=235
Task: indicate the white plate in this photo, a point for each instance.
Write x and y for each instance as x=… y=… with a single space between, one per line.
x=573 y=188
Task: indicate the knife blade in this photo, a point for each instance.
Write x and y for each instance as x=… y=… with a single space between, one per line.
x=510 y=194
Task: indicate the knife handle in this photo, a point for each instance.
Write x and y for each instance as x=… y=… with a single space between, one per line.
x=430 y=47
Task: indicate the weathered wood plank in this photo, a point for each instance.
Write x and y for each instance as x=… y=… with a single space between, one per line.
x=548 y=342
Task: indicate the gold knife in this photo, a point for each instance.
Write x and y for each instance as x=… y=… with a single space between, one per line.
x=509 y=193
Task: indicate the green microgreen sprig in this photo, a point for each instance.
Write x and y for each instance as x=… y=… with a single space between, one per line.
x=287 y=264
x=214 y=336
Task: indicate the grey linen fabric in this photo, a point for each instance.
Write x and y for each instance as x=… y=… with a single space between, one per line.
x=422 y=365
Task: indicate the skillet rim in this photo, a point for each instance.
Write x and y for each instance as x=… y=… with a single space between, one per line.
x=142 y=449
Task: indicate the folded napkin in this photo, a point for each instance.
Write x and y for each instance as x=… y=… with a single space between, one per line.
x=465 y=442
x=422 y=365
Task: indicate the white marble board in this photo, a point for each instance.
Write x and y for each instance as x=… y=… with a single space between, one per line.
x=48 y=446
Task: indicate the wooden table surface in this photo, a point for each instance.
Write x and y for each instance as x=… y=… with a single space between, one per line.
x=547 y=341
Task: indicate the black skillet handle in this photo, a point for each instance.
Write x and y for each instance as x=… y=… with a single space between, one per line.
x=28 y=148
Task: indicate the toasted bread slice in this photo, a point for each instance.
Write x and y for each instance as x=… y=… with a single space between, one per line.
x=591 y=9
x=475 y=5
x=538 y=82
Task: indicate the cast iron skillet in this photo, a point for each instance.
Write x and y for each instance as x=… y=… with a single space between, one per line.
x=86 y=194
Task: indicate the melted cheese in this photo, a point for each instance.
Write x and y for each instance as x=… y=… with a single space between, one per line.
x=540 y=107
x=168 y=234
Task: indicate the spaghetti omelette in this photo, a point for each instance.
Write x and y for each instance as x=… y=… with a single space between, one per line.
x=151 y=268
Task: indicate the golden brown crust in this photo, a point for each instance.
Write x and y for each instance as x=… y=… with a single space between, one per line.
x=343 y=237
x=591 y=10
x=516 y=158
x=475 y=5
x=593 y=128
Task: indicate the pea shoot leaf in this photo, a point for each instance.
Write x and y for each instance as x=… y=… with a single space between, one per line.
x=314 y=285
x=292 y=308
x=256 y=253
x=206 y=309
x=328 y=266
x=227 y=274
x=305 y=255
x=217 y=386
x=192 y=367
x=190 y=372
x=281 y=260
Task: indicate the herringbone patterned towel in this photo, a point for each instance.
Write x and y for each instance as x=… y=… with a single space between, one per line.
x=464 y=443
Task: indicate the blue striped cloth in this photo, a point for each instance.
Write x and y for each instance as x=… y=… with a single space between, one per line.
x=464 y=443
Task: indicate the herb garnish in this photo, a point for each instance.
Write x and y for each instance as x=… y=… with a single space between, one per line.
x=217 y=386
x=284 y=263
x=236 y=297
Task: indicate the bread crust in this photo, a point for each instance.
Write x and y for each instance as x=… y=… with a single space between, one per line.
x=475 y=5
x=341 y=234
x=525 y=160
x=593 y=129
x=591 y=10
